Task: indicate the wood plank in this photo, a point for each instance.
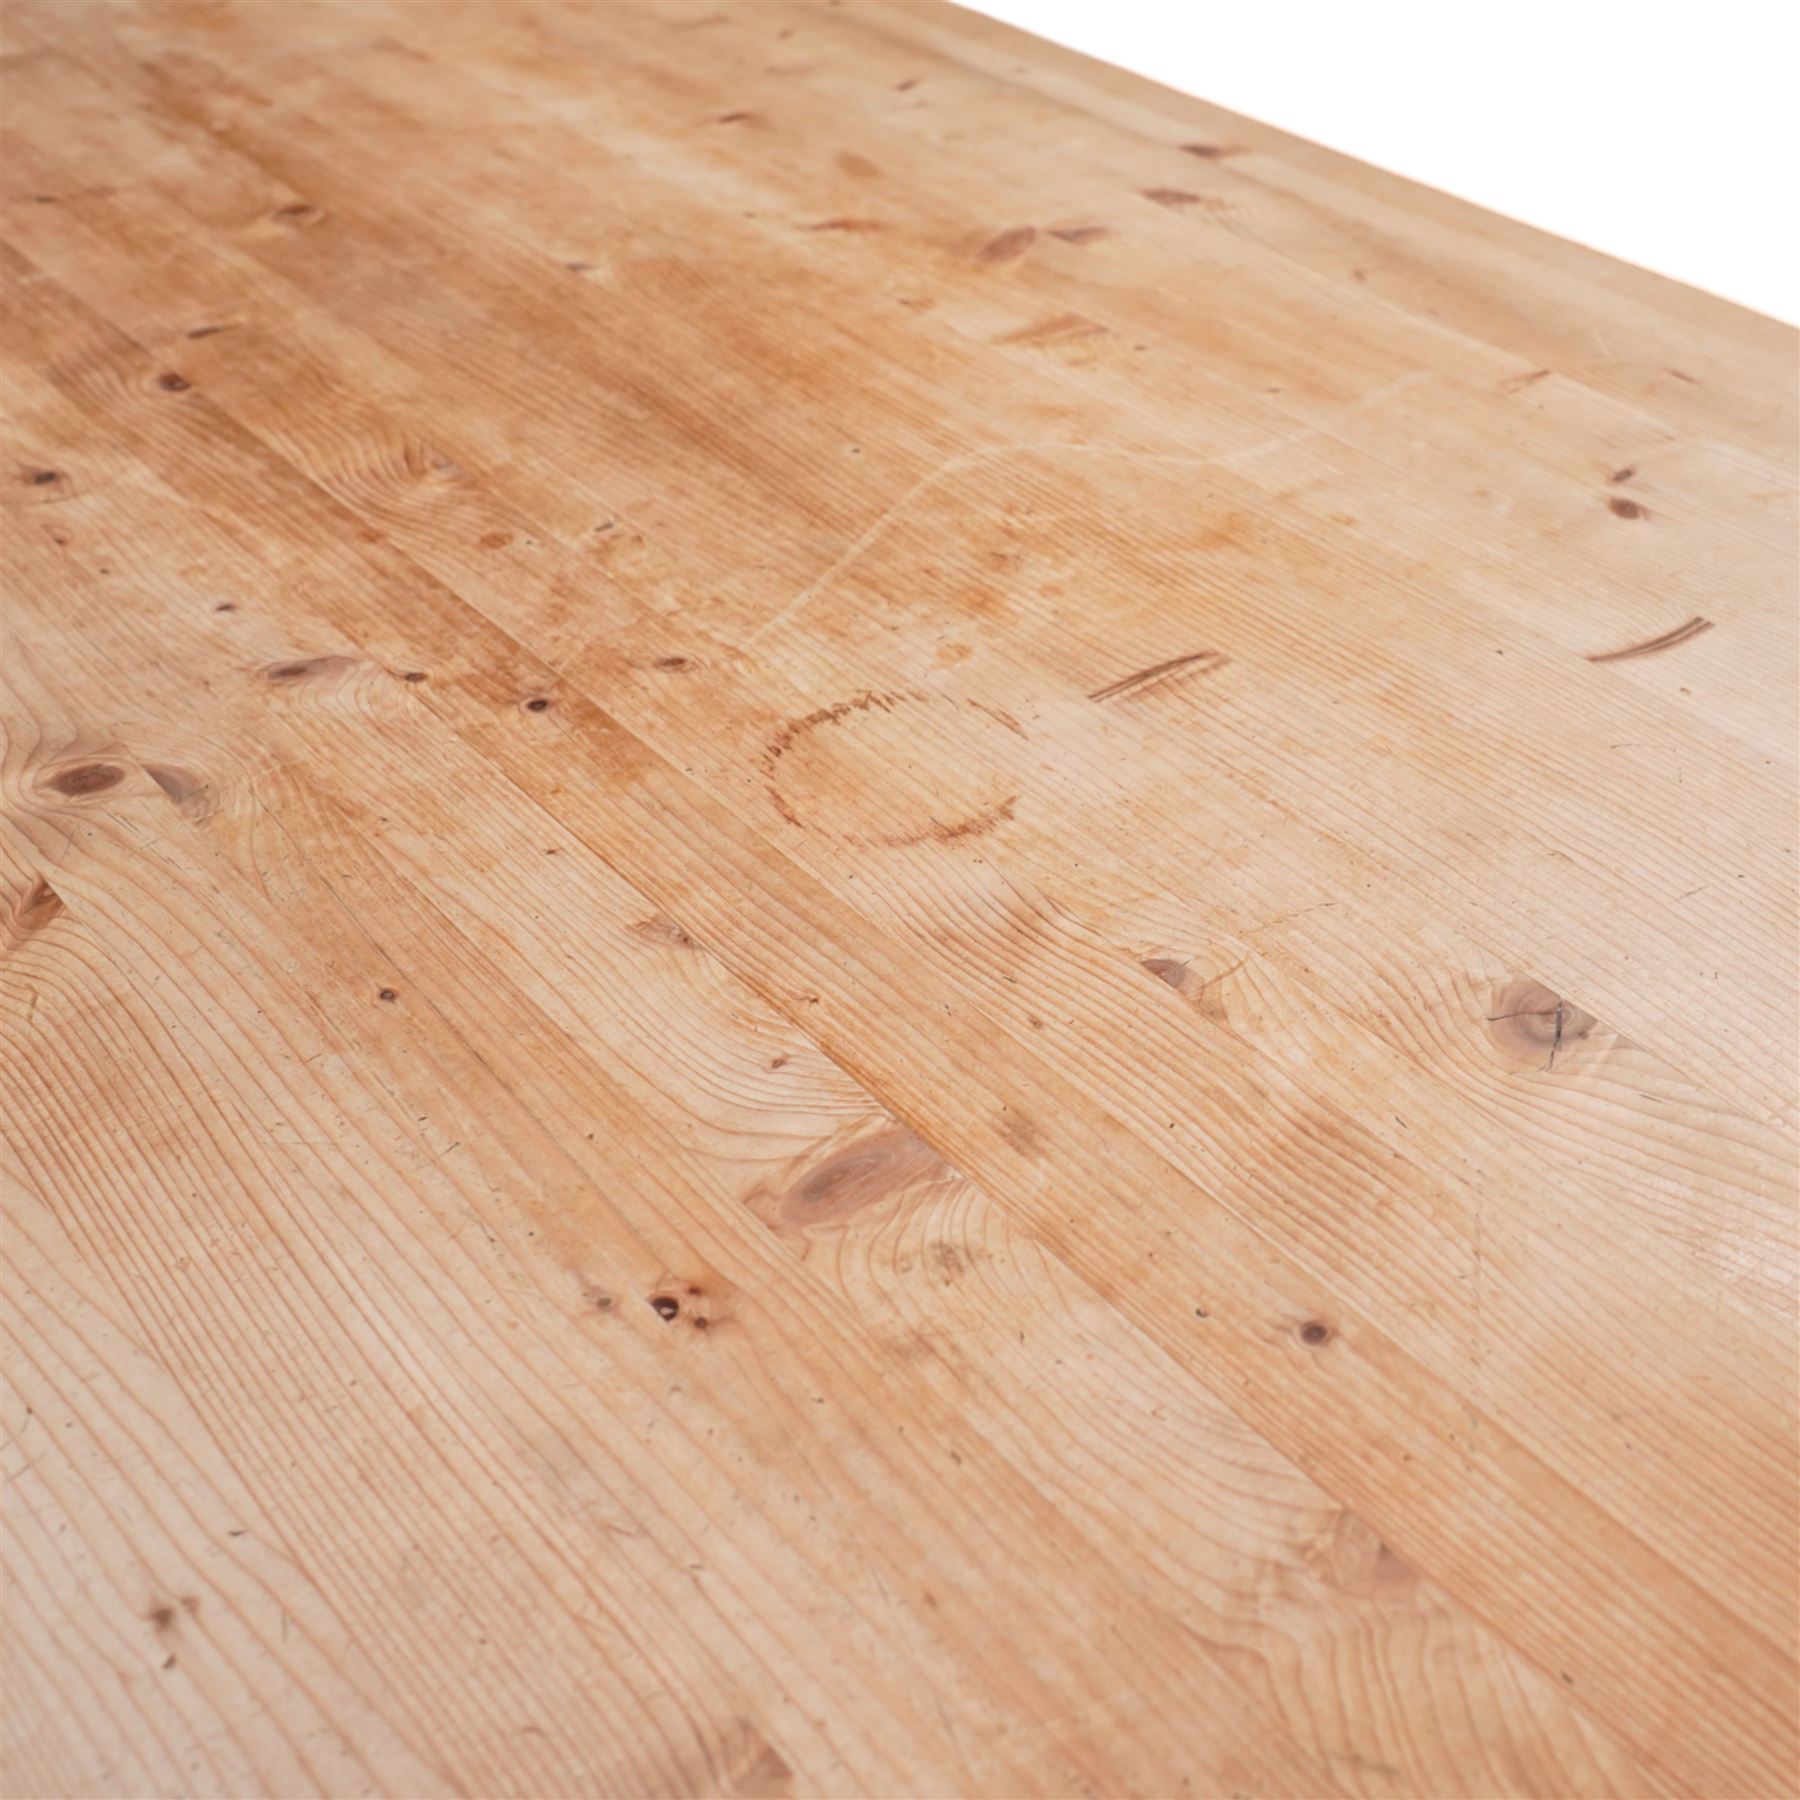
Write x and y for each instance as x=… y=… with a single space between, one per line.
x=858 y=1010
x=762 y=1151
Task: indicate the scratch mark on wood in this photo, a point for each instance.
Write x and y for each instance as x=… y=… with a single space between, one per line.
x=1140 y=679
x=970 y=459
x=1669 y=639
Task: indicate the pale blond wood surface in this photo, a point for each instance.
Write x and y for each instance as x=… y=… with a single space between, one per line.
x=880 y=919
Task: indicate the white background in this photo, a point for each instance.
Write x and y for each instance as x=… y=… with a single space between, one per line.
x=1661 y=134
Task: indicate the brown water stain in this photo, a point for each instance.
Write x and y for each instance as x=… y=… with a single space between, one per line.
x=967 y=815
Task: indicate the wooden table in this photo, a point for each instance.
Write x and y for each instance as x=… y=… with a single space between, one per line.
x=881 y=920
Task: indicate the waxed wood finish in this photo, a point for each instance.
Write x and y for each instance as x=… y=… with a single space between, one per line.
x=879 y=919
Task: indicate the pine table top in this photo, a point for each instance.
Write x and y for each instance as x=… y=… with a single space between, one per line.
x=880 y=919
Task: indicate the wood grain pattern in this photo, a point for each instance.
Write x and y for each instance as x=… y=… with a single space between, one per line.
x=878 y=919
